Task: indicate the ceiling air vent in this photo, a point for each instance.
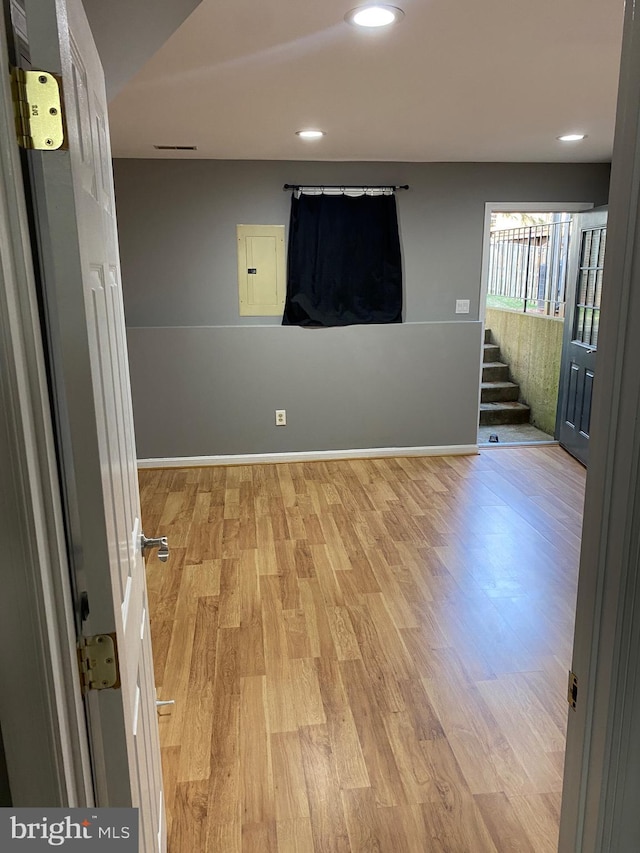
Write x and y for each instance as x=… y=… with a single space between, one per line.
x=176 y=147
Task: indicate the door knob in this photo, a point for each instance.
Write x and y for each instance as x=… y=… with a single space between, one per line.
x=161 y=544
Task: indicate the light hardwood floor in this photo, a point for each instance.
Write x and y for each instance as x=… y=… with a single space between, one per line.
x=365 y=655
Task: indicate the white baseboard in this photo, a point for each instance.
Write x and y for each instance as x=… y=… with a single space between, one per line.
x=307 y=456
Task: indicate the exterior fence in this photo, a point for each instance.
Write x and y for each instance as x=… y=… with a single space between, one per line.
x=528 y=268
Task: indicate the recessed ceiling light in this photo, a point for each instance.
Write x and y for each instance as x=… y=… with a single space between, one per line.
x=310 y=134
x=378 y=15
x=572 y=137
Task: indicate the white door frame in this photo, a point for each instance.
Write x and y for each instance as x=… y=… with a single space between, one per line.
x=41 y=708
x=602 y=772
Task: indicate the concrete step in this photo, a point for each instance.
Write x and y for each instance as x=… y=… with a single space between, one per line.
x=503 y=413
x=490 y=352
x=499 y=392
x=495 y=371
x=487 y=336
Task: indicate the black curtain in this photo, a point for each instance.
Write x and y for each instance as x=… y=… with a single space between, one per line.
x=344 y=264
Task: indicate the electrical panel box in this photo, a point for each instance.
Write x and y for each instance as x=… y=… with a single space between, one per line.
x=261 y=270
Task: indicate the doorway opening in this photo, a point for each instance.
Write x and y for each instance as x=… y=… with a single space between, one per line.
x=524 y=290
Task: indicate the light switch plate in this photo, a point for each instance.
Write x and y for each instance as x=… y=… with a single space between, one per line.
x=462 y=306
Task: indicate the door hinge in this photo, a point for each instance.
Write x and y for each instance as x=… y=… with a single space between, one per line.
x=572 y=691
x=98 y=662
x=37 y=108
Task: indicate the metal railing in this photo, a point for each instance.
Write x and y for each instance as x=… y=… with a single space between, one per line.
x=528 y=268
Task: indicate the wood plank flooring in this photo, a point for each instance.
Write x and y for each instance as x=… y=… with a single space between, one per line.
x=365 y=655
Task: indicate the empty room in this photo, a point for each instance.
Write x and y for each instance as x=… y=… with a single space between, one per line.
x=272 y=590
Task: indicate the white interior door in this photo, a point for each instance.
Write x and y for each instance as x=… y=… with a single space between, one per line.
x=73 y=203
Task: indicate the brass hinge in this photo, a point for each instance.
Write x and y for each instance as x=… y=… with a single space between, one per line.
x=98 y=662
x=37 y=109
x=572 y=691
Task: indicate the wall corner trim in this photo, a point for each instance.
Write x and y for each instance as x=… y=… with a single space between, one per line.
x=307 y=456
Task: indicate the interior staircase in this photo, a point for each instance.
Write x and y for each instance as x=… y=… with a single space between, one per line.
x=499 y=395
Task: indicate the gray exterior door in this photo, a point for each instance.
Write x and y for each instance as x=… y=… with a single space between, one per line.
x=582 y=322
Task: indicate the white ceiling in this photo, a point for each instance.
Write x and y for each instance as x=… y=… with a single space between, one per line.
x=455 y=80
x=127 y=34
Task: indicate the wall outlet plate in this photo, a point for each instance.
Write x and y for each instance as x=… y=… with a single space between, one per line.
x=281 y=417
x=462 y=306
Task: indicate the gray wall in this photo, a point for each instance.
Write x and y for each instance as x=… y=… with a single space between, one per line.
x=206 y=381
x=363 y=386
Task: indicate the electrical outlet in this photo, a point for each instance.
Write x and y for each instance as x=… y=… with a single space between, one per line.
x=462 y=306
x=281 y=417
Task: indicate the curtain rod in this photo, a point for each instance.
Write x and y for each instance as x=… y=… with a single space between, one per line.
x=346 y=186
